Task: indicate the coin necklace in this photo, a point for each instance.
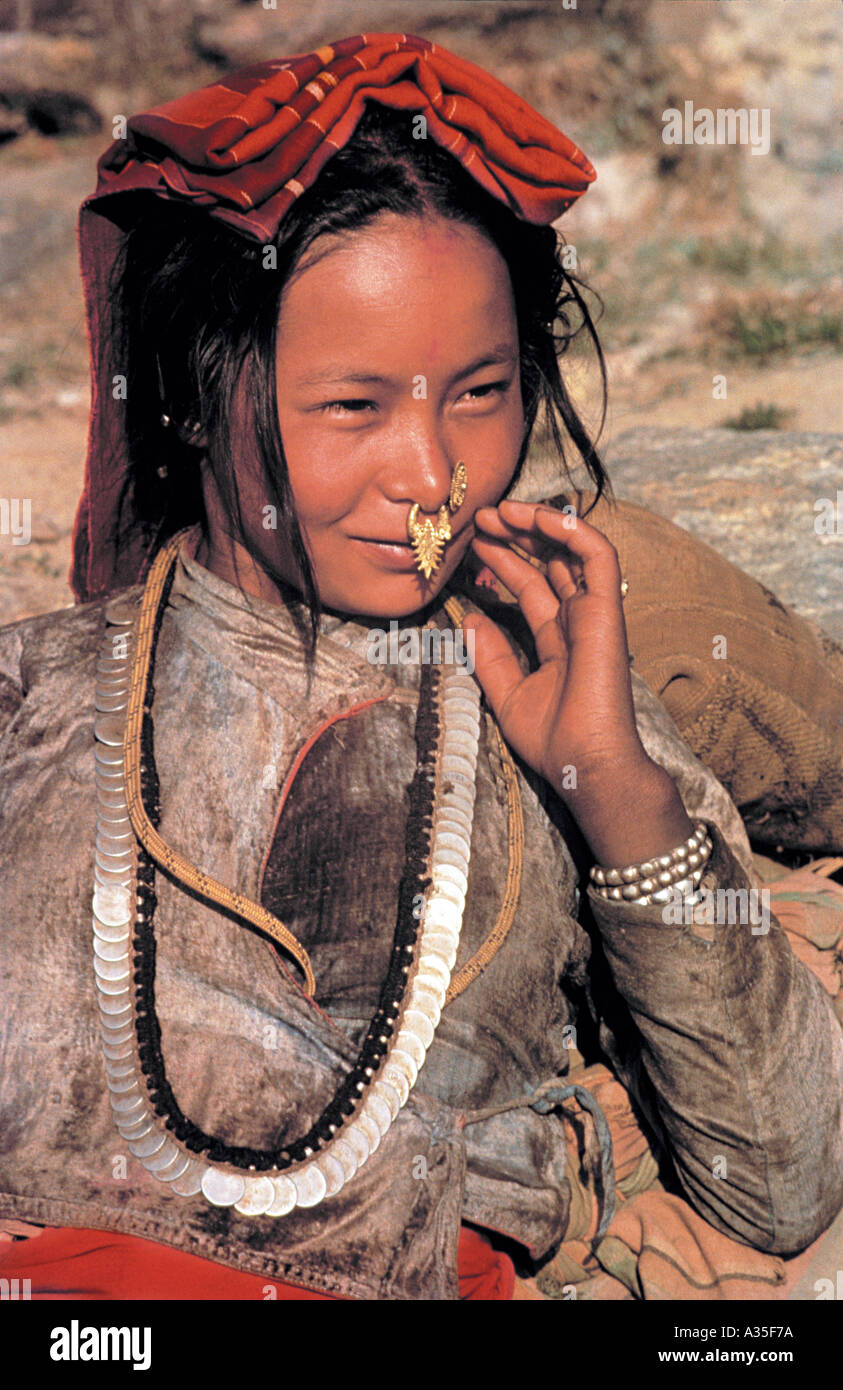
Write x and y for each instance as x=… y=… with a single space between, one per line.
x=258 y=1182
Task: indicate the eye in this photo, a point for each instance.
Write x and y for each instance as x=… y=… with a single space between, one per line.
x=488 y=390
x=353 y=406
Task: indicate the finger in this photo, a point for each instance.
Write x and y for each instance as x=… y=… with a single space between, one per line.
x=490 y=523
x=594 y=628
x=590 y=546
x=598 y=557
x=597 y=606
x=566 y=582
x=495 y=663
x=559 y=569
x=537 y=600
x=523 y=528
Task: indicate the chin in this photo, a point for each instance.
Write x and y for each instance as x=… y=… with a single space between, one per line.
x=389 y=596
x=380 y=592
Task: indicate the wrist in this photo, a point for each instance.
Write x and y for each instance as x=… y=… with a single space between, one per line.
x=629 y=814
x=659 y=879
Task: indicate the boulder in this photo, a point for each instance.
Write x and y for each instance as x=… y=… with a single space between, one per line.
x=261 y=31
x=766 y=499
x=45 y=84
x=41 y=63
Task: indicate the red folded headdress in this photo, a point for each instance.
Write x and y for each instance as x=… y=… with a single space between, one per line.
x=245 y=148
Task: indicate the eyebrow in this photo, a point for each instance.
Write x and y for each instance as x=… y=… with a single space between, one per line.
x=500 y=355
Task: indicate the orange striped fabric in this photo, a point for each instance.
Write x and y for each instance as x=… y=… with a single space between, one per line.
x=249 y=145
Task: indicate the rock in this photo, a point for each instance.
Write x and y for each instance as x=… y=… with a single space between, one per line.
x=57 y=113
x=38 y=63
x=43 y=85
x=39 y=206
x=755 y=496
x=761 y=498
x=12 y=121
x=44 y=529
x=264 y=30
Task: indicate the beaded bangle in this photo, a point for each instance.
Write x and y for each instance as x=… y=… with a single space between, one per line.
x=656 y=879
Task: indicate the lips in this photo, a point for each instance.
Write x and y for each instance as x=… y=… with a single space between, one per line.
x=379 y=540
x=399 y=556
x=398 y=540
x=389 y=555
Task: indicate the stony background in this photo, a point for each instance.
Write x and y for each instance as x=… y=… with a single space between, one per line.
x=752 y=496
x=749 y=495
x=711 y=263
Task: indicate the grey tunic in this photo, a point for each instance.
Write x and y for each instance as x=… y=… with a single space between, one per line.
x=728 y=1042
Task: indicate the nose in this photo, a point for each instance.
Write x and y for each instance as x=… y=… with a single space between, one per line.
x=422 y=469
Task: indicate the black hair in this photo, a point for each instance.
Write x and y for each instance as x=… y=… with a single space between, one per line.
x=197 y=303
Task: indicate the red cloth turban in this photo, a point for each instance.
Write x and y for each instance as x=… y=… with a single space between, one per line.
x=245 y=148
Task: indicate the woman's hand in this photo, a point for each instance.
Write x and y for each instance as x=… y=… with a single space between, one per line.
x=572 y=719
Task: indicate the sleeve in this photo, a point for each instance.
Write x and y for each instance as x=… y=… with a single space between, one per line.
x=736 y=1054
x=743 y=1055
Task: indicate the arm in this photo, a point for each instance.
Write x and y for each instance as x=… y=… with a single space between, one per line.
x=742 y=1053
x=744 y=1057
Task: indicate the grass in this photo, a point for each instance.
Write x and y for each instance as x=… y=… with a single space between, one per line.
x=594 y=256
x=758 y=417
x=763 y=325
x=773 y=329
x=741 y=257
x=18 y=373
x=37 y=559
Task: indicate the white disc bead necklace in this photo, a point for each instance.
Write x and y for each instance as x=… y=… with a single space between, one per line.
x=306 y=1183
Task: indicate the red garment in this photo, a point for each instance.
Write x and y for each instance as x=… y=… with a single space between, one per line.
x=64 y=1263
x=244 y=149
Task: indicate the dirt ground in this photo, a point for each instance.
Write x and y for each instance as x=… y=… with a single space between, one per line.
x=722 y=268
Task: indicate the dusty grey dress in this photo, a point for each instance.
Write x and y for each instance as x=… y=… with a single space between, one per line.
x=729 y=1043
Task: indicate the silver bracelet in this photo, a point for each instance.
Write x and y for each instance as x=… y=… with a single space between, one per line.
x=655 y=880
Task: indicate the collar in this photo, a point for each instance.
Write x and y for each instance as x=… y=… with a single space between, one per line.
x=261 y=642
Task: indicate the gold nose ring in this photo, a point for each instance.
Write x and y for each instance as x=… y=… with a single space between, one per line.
x=429 y=540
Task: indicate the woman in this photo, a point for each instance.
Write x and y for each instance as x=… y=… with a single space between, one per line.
x=322 y=298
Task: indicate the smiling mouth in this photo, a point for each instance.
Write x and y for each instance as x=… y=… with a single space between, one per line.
x=400 y=556
x=405 y=545
x=391 y=555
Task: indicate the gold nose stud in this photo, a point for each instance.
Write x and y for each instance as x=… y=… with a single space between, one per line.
x=428 y=539
x=459 y=484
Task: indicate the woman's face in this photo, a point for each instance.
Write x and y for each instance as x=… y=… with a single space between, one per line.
x=397 y=357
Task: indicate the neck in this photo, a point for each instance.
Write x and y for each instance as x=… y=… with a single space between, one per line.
x=236 y=566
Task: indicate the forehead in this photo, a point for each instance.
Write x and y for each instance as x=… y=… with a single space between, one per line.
x=404 y=288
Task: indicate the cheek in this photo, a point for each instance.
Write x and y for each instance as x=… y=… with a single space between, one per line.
x=329 y=472
x=323 y=478
x=496 y=454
